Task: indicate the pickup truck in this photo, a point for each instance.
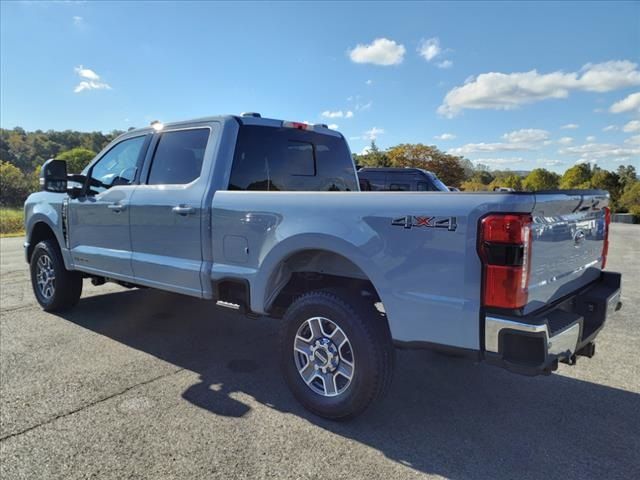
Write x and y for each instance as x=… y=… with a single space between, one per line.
x=266 y=216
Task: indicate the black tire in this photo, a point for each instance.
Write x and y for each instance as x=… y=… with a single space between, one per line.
x=67 y=286
x=372 y=351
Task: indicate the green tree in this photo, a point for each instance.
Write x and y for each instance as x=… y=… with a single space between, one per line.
x=541 y=179
x=473 y=186
x=373 y=158
x=578 y=176
x=447 y=168
x=508 y=181
x=630 y=199
x=609 y=181
x=14 y=187
x=77 y=159
x=627 y=176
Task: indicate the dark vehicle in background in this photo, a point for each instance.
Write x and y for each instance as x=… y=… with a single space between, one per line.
x=400 y=180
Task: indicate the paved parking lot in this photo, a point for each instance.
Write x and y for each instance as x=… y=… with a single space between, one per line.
x=145 y=384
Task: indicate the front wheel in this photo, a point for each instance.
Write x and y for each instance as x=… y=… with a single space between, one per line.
x=55 y=287
x=336 y=354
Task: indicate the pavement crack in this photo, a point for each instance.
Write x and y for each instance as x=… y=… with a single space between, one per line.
x=89 y=405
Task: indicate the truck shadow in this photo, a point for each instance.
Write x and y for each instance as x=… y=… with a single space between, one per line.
x=443 y=416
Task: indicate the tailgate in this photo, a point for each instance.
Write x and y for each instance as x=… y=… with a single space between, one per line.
x=568 y=236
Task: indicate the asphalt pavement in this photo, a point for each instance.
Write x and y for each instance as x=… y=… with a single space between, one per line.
x=144 y=384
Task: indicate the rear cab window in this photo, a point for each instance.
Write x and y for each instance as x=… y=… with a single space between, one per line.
x=286 y=159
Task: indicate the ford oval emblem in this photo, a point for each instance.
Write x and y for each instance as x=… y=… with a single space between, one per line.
x=578 y=238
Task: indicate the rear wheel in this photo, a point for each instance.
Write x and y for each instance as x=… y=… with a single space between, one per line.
x=55 y=287
x=336 y=354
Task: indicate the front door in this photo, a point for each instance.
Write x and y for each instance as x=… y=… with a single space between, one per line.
x=166 y=213
x=98 y=223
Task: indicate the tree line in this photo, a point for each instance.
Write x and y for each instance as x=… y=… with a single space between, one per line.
x=23 y=153
x=460 y=172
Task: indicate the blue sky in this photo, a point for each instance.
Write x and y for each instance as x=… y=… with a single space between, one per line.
x=513 y=85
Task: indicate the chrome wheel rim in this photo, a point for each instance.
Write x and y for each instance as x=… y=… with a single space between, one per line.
x=323 y=356
x=45 y=277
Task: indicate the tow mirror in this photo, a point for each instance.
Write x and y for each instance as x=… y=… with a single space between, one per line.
x=53 y=176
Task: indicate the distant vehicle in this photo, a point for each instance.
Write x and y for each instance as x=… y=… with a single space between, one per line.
x=503 y=189
x=400 y=180
x=453 y=189
x=265 y=216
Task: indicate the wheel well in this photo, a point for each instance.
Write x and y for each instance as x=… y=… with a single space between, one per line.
x=310 y=270
x=41 y=231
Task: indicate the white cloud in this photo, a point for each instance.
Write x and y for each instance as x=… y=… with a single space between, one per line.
x=518 y=140
x=550 y=162
x=369 y=82
x=565 y=141
x=337 y=114
x=430 y=49
x=90 y=80
x=633 y=140
x=601 y=151
x=570 y=126
x=499 y=161
x=526 y=135
x=627 y=104
x=506 y=91
x=333 y=126
x=364 y=106
x=610 y=128
x=381 y=51
x=445 y=136
x=632 y=126
x=445 y=64
x=373 y=133
x=591 y=139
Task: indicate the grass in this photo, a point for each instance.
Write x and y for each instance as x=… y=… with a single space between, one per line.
x=11 y=222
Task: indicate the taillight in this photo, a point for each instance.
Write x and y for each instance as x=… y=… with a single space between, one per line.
x=297 y=125
x=505 y=250
x=605 y=245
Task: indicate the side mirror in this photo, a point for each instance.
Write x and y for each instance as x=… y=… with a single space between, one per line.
x=53 y=176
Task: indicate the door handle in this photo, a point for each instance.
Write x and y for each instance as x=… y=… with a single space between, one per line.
x=183 y=209
x=117 y=207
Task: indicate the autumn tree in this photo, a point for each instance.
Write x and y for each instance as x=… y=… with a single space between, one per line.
x=541 y=179
x=447 y=168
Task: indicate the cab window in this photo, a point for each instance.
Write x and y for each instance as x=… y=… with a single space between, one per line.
x=119 y=165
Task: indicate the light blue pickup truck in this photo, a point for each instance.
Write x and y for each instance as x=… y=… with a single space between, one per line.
x=266 y=216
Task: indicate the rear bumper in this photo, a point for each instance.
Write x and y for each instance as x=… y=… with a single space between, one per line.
x=534 y=344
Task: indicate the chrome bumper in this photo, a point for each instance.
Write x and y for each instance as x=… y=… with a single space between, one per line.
x=563 y=343
x=534 y=344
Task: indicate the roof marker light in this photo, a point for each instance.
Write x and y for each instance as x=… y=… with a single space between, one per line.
x=157 y=125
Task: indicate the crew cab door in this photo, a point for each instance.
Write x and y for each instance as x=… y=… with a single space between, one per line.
x=98 y=222
x=166 y=211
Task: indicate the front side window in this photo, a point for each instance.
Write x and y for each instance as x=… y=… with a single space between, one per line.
x=281 y=159
x=119 y=165
x=178 y=157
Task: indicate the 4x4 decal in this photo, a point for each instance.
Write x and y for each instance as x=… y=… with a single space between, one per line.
x=410 y=221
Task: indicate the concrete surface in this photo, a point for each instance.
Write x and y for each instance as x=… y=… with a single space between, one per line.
x=144 y=384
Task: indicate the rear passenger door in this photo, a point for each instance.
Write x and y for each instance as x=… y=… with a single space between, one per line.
x=166 y=210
